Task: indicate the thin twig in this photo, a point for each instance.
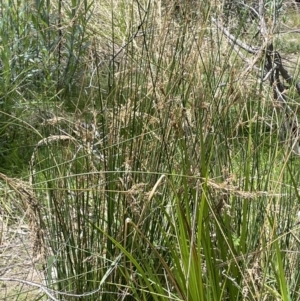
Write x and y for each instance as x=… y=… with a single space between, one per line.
x=51 y=292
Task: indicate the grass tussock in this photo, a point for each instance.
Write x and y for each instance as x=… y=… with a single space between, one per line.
x=145 y=150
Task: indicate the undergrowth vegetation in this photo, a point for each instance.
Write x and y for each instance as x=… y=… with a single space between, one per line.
x=145 y=153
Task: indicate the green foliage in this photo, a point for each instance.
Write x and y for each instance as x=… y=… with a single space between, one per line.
x=155 y=155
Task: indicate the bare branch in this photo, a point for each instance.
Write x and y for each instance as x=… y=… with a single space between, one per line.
x=235 y=40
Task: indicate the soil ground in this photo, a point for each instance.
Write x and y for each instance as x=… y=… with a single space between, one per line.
x=16 y=262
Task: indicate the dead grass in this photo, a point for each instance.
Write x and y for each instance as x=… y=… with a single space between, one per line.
x=21 y=241
x=17 y=262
